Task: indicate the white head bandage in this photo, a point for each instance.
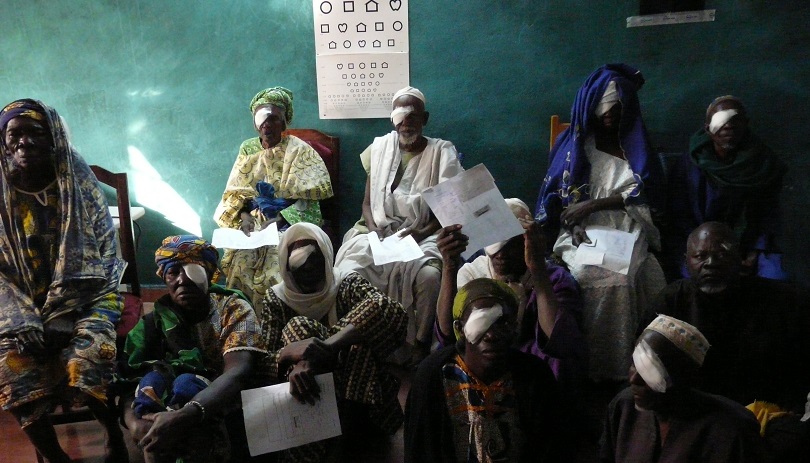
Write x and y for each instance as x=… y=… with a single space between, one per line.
x=721 y=118
x=412 y=91
x=399 y=114
x=480 y=320
x=300 y=255
x=197 y=274
x=610 y=98
x=261 y=115
x=650 y=367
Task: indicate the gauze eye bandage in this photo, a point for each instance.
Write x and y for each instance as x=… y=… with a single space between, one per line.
x=300 y=255
x=261 y=116
x=398 y=115
x=721 y=118
x=480 y=320
x=610 y=98
x=650 y=367
x=196 y=273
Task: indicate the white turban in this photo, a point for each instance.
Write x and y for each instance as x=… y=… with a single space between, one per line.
x=412 y=91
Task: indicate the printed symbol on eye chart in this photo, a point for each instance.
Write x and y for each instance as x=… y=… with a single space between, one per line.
x=372 y=6
x=373 y=65
x=326 y=7
x=361 y=43
x=379 y=26
x=390 y=42
x=340 y=66
x=362 y=65
x=347 y=44
x=332 y=45
x=395 y=5
x=397 y=26
x=351 y=65
x=384 y=65
x=361 y=27
x=342 y=27
x=348 y=7
x=324 y=28
x=376 y=44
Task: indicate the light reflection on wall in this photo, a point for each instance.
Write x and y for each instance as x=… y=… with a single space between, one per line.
x=151 y=191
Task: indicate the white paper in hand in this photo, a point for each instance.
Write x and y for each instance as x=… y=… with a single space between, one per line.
x=610 y=249
x=275 y=420
x=228 y=238
x=393 y=249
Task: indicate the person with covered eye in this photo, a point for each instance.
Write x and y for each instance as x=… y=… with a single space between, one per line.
x=663 y=418
x=481 y=399
x=319 y=320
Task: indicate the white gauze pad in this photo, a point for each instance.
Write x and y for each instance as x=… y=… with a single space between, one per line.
x=650 y=367
x=398 y=115
x=196 y=273
x=479 y=322
x=300 y=255
x=720 y=118
x=261 y=116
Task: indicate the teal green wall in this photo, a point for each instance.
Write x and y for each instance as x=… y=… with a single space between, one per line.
x=173 y=79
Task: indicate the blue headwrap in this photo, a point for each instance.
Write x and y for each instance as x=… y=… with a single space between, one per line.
x=187 y=249
x=569 y=171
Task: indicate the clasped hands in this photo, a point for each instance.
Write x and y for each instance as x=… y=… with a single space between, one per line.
x=308 y=358
x=571 y=219
x=55 y=335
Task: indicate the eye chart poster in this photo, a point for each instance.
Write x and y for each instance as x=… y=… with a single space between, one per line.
x=361 y=49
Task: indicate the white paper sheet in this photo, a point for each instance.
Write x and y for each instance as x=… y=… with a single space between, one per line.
x=228 y=238
x=610 y=248
x=275 y=421
x=393 y=249
x=472 y=200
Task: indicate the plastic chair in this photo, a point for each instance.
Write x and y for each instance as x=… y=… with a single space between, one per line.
x=557 y=128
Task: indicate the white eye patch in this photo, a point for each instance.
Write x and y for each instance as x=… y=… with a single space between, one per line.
x=261 y=116
x=197 y=274
x=480 y=320
x=609 y=99
x=300 y=255
x=650 y=367
x=721 y=118
x=398 y=115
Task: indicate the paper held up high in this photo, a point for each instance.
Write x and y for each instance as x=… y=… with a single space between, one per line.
x=393 y=248
x=610 y=249
x=228 y=238
x=275 y=420
x=472 y=200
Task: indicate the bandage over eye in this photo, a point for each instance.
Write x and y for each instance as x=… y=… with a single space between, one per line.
x=300 y=255
x=650 y=367
x=261 y=116
x=609 y=99
x=197 y=274
x=721 y=118
x=399 y=114
x=480 y=320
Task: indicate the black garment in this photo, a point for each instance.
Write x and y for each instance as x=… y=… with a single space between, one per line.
x=759 y=333
x=428 y=426
x=707 y=429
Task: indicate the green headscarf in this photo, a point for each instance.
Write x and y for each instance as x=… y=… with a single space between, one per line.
x=481 y=288
x=754 y=165
x=276 y=96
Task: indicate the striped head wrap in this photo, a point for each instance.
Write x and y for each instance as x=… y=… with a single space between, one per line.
x=187 y=249
x=276 y=96
x=21 y=108
x=482 y=288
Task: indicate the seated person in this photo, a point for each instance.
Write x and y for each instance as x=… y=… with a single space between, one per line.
x=399 y=166
x=319 y=319
x=548 y=297
x=275 y=178
x=758 y=327
x=480 y=399
x=729 y=175
x=59 y=274
x=662 y=418
x=193 y=355
x=603 y=172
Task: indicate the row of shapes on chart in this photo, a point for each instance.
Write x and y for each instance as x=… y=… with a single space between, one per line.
x=356 y=6
x=360 y=43
x=372 y=65
x=379 y=26
x=371 y=75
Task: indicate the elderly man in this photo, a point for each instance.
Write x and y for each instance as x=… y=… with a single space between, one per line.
x=730 y=176
x=59 y=277
x=275 y=177
x=662 y=418
x=758 y=328
x=480 y=399
x=400 y=166
x=548 y=296
x=193 y=355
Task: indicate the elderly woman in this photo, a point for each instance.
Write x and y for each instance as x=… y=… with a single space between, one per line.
x=602 y=172
x=319 y=320
x=276 y=177
x=58 y=278
x=481 y=399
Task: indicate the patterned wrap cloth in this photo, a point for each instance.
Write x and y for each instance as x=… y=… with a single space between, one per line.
x=276 y=96
x=187 y=249
x=82 y=282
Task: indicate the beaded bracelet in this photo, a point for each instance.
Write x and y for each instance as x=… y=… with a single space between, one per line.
x=199 y=407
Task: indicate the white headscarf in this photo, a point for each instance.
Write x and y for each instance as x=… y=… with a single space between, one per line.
x=412 y=91
x=314 y=305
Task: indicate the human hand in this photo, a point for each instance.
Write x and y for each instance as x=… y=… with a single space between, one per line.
x=58 y=331
x=451 y=243
x=31 y=340
x=578 y=236
x=168 y=431
x=534 y=247
x=312 y=350
x=138 y=429
x=248 y=223
x=576 y=213
x=302 y=383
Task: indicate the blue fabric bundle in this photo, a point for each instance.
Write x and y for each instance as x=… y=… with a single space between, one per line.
x=267 y=201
